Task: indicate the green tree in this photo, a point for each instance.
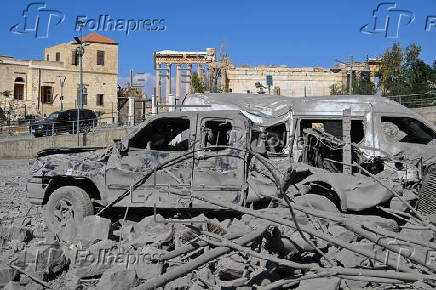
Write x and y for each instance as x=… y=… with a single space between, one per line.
x=402 y=72
x=362 y=85
x=197 y=85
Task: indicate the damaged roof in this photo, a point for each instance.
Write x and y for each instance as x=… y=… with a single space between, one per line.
x=262 y=108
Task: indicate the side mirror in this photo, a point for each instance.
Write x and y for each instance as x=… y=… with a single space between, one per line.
x=119 y=146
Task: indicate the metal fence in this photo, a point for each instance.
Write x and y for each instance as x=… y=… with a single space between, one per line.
x=415 y=101
x=27 y=127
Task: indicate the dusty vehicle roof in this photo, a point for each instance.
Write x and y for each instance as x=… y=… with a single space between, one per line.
x=356 y=102
x=215 y=113
x=271 y=106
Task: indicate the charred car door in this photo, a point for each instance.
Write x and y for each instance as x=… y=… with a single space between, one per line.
x=220 y=156
x=163 y=139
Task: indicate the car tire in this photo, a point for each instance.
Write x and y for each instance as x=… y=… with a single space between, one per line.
x=316 y=201
x=67 y=205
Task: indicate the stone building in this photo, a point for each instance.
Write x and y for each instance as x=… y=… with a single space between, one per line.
x=37 y=86
x=296 y=82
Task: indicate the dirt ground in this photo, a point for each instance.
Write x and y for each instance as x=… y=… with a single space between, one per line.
x=13 y=174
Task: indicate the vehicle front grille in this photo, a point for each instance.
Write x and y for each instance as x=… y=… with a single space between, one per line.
x=427 y=194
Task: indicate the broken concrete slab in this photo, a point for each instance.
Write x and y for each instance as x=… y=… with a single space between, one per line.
x=146 y=271
x=230 y=268
x=320 y=283
x=117 y=279
x=7 y=274
x=13 y=285
x=93 y=228
x=342 y=233
x=15 y=233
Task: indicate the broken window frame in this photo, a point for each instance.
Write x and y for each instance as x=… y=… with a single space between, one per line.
x=153 y=122
x=231 y=136
x=285 y=140
x=298 y=151
x=298 y=119
x=401 y=116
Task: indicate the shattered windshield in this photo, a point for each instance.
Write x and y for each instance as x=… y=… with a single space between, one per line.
x=407 y=130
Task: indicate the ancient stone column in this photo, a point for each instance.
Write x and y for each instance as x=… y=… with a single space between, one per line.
x=171 y=99
x=189 y=79
x=153 y=105
x=158 y=85
x=131 y=111
x=168 y=83
x=178 y=81
x=200 y=71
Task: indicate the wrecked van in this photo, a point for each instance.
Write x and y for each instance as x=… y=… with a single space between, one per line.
x=347 y=149
x=358 y=149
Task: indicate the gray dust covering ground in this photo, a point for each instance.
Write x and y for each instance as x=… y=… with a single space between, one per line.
x=260 y=249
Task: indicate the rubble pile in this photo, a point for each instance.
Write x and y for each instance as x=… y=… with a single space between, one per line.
x=284 y=246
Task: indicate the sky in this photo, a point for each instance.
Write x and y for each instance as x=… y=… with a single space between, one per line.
x=292 y=33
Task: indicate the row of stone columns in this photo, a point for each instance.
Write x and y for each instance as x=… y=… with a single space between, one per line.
x=183 y=76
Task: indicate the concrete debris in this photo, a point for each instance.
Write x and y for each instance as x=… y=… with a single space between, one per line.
x=320 y=283
x=117 y=279
x=324 y=212
x=93 y=228
x=7 y=274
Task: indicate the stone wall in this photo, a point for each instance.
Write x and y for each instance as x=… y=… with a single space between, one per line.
x=292 y=82
x=27 y=148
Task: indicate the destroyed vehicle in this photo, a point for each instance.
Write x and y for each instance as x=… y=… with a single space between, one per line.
x=344 y=140
x=209 y=152
x=193 y=151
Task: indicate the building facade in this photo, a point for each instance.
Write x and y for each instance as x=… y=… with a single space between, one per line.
x=40 y=87
x=296 y=82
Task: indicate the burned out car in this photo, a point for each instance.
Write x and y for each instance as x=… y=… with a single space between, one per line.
x=360 y=151
x=193 y=151
x=350 y=153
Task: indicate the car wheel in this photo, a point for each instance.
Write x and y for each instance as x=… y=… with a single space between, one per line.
x=67 y=205
x=316 y=201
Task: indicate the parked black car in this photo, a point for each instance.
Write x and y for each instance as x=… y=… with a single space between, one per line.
x=64 y=122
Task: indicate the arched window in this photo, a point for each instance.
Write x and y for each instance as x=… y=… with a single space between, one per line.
x=19 y=88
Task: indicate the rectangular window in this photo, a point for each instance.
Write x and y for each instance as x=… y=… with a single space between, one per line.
x=99 y=100
x=58 y=56
x=47 y=95
x=166 y=134
x=334 y=127
x=74 y=58
x=217 y=133
x=406 y=130
x=100 y=57
x=19 y=91
x=48 y=57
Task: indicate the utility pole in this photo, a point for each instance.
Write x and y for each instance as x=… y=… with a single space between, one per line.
x=80 y=50
x=62 y=80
